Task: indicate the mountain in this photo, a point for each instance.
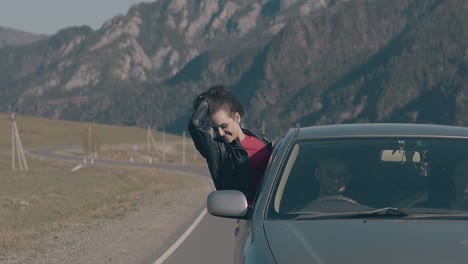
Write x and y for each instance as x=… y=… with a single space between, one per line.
x=292 y=62
x=13 y=37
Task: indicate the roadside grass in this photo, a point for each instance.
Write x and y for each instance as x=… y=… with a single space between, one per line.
x=49 y=195
x=172 y=152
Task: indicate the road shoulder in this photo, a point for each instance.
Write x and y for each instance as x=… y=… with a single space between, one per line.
x=133 y=238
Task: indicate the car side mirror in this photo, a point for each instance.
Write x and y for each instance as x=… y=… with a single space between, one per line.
x=228 y=204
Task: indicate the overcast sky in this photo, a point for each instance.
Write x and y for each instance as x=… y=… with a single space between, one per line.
x=49 y=16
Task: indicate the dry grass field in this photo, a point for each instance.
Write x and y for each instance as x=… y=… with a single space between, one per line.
x=50 y=195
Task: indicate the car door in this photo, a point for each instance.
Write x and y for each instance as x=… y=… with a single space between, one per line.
x=242 y=234
x=243 y=230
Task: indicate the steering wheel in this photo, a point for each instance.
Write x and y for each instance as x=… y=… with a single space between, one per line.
x=334 y=198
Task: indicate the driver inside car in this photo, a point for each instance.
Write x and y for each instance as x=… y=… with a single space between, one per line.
x=461 y=185
x=333 y=176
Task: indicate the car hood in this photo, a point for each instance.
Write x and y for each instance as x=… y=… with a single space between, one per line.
x=368 y=241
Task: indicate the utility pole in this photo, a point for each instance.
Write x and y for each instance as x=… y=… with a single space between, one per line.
x=164 y=145
x=183 y=148
x=194 y=152
x=148 y=138
x=151 y=142
x=91 y=144
x=13 y=143
x=17 y=147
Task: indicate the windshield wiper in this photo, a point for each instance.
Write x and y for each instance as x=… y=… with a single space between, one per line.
x=386 y=211
x=397 y=212
x=432 y=215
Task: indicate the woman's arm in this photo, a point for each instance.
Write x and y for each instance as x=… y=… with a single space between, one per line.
x=203 y=139
x=198 y=129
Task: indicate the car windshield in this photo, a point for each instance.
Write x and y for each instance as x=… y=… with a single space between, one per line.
x=407 y=175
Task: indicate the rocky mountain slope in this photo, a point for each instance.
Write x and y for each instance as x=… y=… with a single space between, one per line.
x=13 y=37
x=292 y=62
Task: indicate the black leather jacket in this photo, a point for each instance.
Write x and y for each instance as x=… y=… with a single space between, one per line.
x=227 y=162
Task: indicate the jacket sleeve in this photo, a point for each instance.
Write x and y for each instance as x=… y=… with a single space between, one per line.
x=203 y=140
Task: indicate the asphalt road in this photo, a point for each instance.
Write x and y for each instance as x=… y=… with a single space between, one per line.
x=212 y=241
x=205 y=239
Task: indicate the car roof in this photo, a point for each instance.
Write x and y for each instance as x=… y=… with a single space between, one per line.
x=381 y=130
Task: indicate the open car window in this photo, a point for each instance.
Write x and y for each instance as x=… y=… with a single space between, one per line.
x=353 y=175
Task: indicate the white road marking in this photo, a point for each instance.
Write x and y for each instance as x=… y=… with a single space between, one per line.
x=77 y=167
x=179 y=241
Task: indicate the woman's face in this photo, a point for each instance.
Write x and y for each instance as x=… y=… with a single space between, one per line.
x=227 y=127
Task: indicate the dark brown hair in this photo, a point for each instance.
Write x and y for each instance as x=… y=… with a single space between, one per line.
x=218 y=98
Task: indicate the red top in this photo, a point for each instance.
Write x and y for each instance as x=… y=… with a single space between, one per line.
x=259 y=154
